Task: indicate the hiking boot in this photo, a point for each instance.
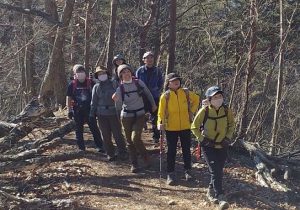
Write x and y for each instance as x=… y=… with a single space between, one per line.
x=171 y=179
x=188 y=175
x=134 y=169
x=223 y=204
x=100 y=149
x=211 y=195
x=111 y=158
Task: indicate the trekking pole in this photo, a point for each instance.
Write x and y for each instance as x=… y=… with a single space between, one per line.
x=161 y=141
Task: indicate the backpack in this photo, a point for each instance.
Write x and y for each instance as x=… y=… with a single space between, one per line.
x=206 y=116
x=139 y=90
x=75 y=83
x=187 y=95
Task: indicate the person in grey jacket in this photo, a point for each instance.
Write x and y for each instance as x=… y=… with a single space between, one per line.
x=129 y=100
x=103 y=106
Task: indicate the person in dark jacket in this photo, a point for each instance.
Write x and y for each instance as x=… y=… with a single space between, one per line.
x=78 y=101
x=103 y=106
x=117 y=61
x=152 y=76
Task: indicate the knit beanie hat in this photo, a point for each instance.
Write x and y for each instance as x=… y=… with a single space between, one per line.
x=122 y=67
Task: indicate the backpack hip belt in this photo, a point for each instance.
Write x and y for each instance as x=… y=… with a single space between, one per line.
x=102 y=107
x=133 y=111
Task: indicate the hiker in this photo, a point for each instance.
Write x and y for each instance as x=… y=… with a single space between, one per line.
x=104 y=108
x=78 y=100
x=117 y=61
x=176 y=107
x=129 y=101
x=217 y=122
x=152 y=76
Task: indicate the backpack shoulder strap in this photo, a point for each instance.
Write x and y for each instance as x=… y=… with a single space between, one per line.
x=167 y=97
x=137 y=84
x=89 y=83
x=122 y=89
x=140 y=89
x=74 y=85
x=206 y=113
x=187 y=95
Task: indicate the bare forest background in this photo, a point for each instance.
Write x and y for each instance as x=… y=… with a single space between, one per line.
x=248 y=47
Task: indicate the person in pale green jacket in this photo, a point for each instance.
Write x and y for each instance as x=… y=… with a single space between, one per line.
x=214 y=126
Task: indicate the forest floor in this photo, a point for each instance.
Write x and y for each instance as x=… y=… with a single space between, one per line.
x=95 y=183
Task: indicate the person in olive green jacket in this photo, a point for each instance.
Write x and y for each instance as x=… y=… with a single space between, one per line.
x=176 y=108
x=214 y=126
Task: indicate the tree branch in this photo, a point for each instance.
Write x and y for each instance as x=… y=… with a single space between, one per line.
x=34 y=12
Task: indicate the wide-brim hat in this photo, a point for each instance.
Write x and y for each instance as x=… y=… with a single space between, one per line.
x=101 y=69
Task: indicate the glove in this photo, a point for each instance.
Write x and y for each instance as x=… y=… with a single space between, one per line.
x=207 y=143
x=161 y=127
x=70 y=115
x=225 y=142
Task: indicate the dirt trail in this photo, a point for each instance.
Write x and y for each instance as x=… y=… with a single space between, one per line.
x=96 y=183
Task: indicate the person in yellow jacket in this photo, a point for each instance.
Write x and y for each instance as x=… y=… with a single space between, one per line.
x=214 y=126
x=176 y=107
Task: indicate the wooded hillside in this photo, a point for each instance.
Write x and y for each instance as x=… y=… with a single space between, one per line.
x=250 y=48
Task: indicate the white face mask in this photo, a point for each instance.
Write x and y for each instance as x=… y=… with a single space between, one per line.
x=103 y=77
x=80 y=76
x=128 y=81
x=217 y=103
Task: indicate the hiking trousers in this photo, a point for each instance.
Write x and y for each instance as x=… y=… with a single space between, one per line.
x=185 y=140
x=133 y=127
x=81 y=116
x=110 y=124
x=215 y=159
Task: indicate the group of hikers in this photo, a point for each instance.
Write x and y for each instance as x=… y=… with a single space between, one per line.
x=120 y=101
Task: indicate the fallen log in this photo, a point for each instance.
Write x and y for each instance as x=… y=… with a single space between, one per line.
x=14 y=136
x=59 y=132
x=261 y=161
x=27 y=154
x=32 y=111
x=38 y=203
x=34 y=162
x=6 y=127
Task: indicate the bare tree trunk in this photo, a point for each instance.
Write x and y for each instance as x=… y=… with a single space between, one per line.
x=28 y=84
x=75 y=39
x=144 y=31
x=111 y=36
x=55 y=82
x=279 y=86
x=172 y=38
x=51 y=8
x=157 y=43
x=249 y=70
x=87 y=35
